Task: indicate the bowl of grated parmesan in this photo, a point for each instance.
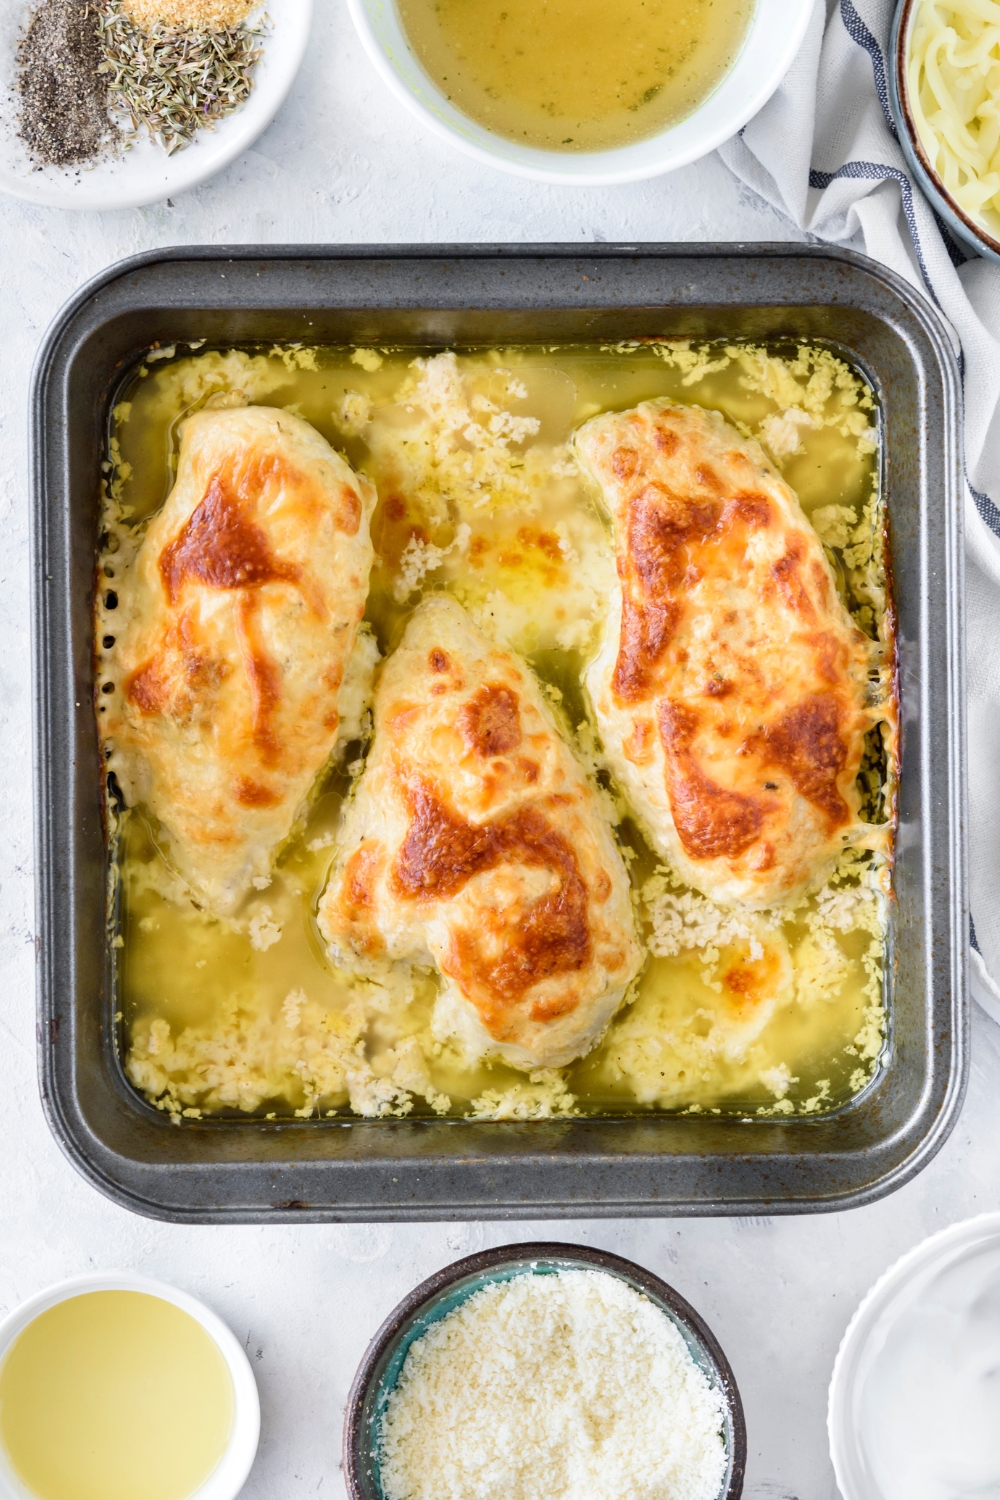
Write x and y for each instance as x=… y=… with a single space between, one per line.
x=542 y=1372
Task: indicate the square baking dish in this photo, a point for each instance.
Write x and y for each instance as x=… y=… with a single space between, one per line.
x=256 y=1170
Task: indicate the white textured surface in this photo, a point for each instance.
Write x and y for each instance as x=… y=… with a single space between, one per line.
x=343 y=162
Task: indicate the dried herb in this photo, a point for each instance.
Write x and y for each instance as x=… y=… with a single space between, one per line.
x=174 y=81
x=64 y=96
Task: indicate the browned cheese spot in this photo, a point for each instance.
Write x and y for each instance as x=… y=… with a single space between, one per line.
x=787 y=574
x=490 y=722
x=750 y=510
x=821 y=583
x=221 y=547
x=708 y=479
x=666 y=440
x=638 y=748
x=624 y=462
x=806 y=742
x=264 y=679
x=442 y=852
x=660 y=524
x=357 y=898
x=710 y=821
x=146 y=689
x=750 y=981
x=359 y=878
x=254 y=794
x=350 y=510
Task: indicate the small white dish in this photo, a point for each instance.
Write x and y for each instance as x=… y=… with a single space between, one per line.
x=922 y=1282
x=230 y=1473
x=145 y=173
x=774 y=37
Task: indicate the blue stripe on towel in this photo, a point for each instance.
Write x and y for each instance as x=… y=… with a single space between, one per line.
x=989 y=511
x=858 y=32
x=873 y=171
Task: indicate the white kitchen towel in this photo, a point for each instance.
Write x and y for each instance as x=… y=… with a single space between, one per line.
x=824 y=153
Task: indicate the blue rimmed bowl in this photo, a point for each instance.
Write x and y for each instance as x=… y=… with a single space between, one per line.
x=435 y=1298
x=956 y=218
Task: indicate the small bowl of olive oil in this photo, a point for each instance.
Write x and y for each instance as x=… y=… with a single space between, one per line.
x=583 y=92
x=118 y=1386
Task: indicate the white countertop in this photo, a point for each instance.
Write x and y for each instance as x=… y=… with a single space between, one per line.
x=344 y=163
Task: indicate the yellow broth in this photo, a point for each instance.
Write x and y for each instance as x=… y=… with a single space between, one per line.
x=113 y=1395
x=576 y=75
x=248 y=1015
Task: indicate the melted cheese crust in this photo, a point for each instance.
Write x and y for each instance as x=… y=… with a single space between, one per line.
x=731 y=687
x=235 y=625
x=475 y=843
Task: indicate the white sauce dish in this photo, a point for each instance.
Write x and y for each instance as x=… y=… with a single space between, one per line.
x=914 y=1408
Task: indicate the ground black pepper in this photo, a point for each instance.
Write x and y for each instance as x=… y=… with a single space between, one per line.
x=64 y=99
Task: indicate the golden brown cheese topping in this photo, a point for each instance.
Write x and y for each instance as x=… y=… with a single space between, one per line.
x=549 y=936
x=475 y=843
x=731 y=689
x=237 y=620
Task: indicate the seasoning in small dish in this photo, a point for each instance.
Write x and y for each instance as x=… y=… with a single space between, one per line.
x=546 y=1386
x=176 y=79
x=63 y=117
x=189 y=15
x=92 y=75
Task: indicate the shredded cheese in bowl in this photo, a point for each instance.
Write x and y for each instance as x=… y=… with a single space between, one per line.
x=953 y=82
x=565 y=1385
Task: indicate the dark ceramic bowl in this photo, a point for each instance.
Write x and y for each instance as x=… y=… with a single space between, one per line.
x=446 y=1289
x=961 y=223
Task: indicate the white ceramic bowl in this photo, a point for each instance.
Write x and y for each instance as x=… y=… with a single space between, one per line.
x=145 y=173
x=230 y=1473
x=856 y=1363
x=775 y=35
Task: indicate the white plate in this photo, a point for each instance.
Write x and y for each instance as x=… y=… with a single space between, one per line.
x=146 y=174
x=857 y=1368
x=774 y=38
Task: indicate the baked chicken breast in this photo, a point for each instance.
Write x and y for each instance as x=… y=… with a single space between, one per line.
x=732 y=684
x=234 y=627
x=475 y=843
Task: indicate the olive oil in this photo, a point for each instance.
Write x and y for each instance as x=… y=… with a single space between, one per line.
x=249 y=1015
x=576 y=75
x=114 y=1396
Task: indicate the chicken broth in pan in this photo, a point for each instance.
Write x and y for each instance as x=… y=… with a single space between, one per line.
x=331 y=976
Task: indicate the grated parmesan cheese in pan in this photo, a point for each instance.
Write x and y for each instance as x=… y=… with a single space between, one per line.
x=548 y=1387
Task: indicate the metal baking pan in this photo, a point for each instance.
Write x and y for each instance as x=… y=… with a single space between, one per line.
x=255 y=1170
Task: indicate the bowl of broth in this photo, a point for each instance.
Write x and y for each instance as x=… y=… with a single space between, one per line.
x=118 y=1385
x=577 y=91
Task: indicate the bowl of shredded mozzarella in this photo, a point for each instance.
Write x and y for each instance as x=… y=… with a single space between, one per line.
x=544 y=1372
x=945 y=89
